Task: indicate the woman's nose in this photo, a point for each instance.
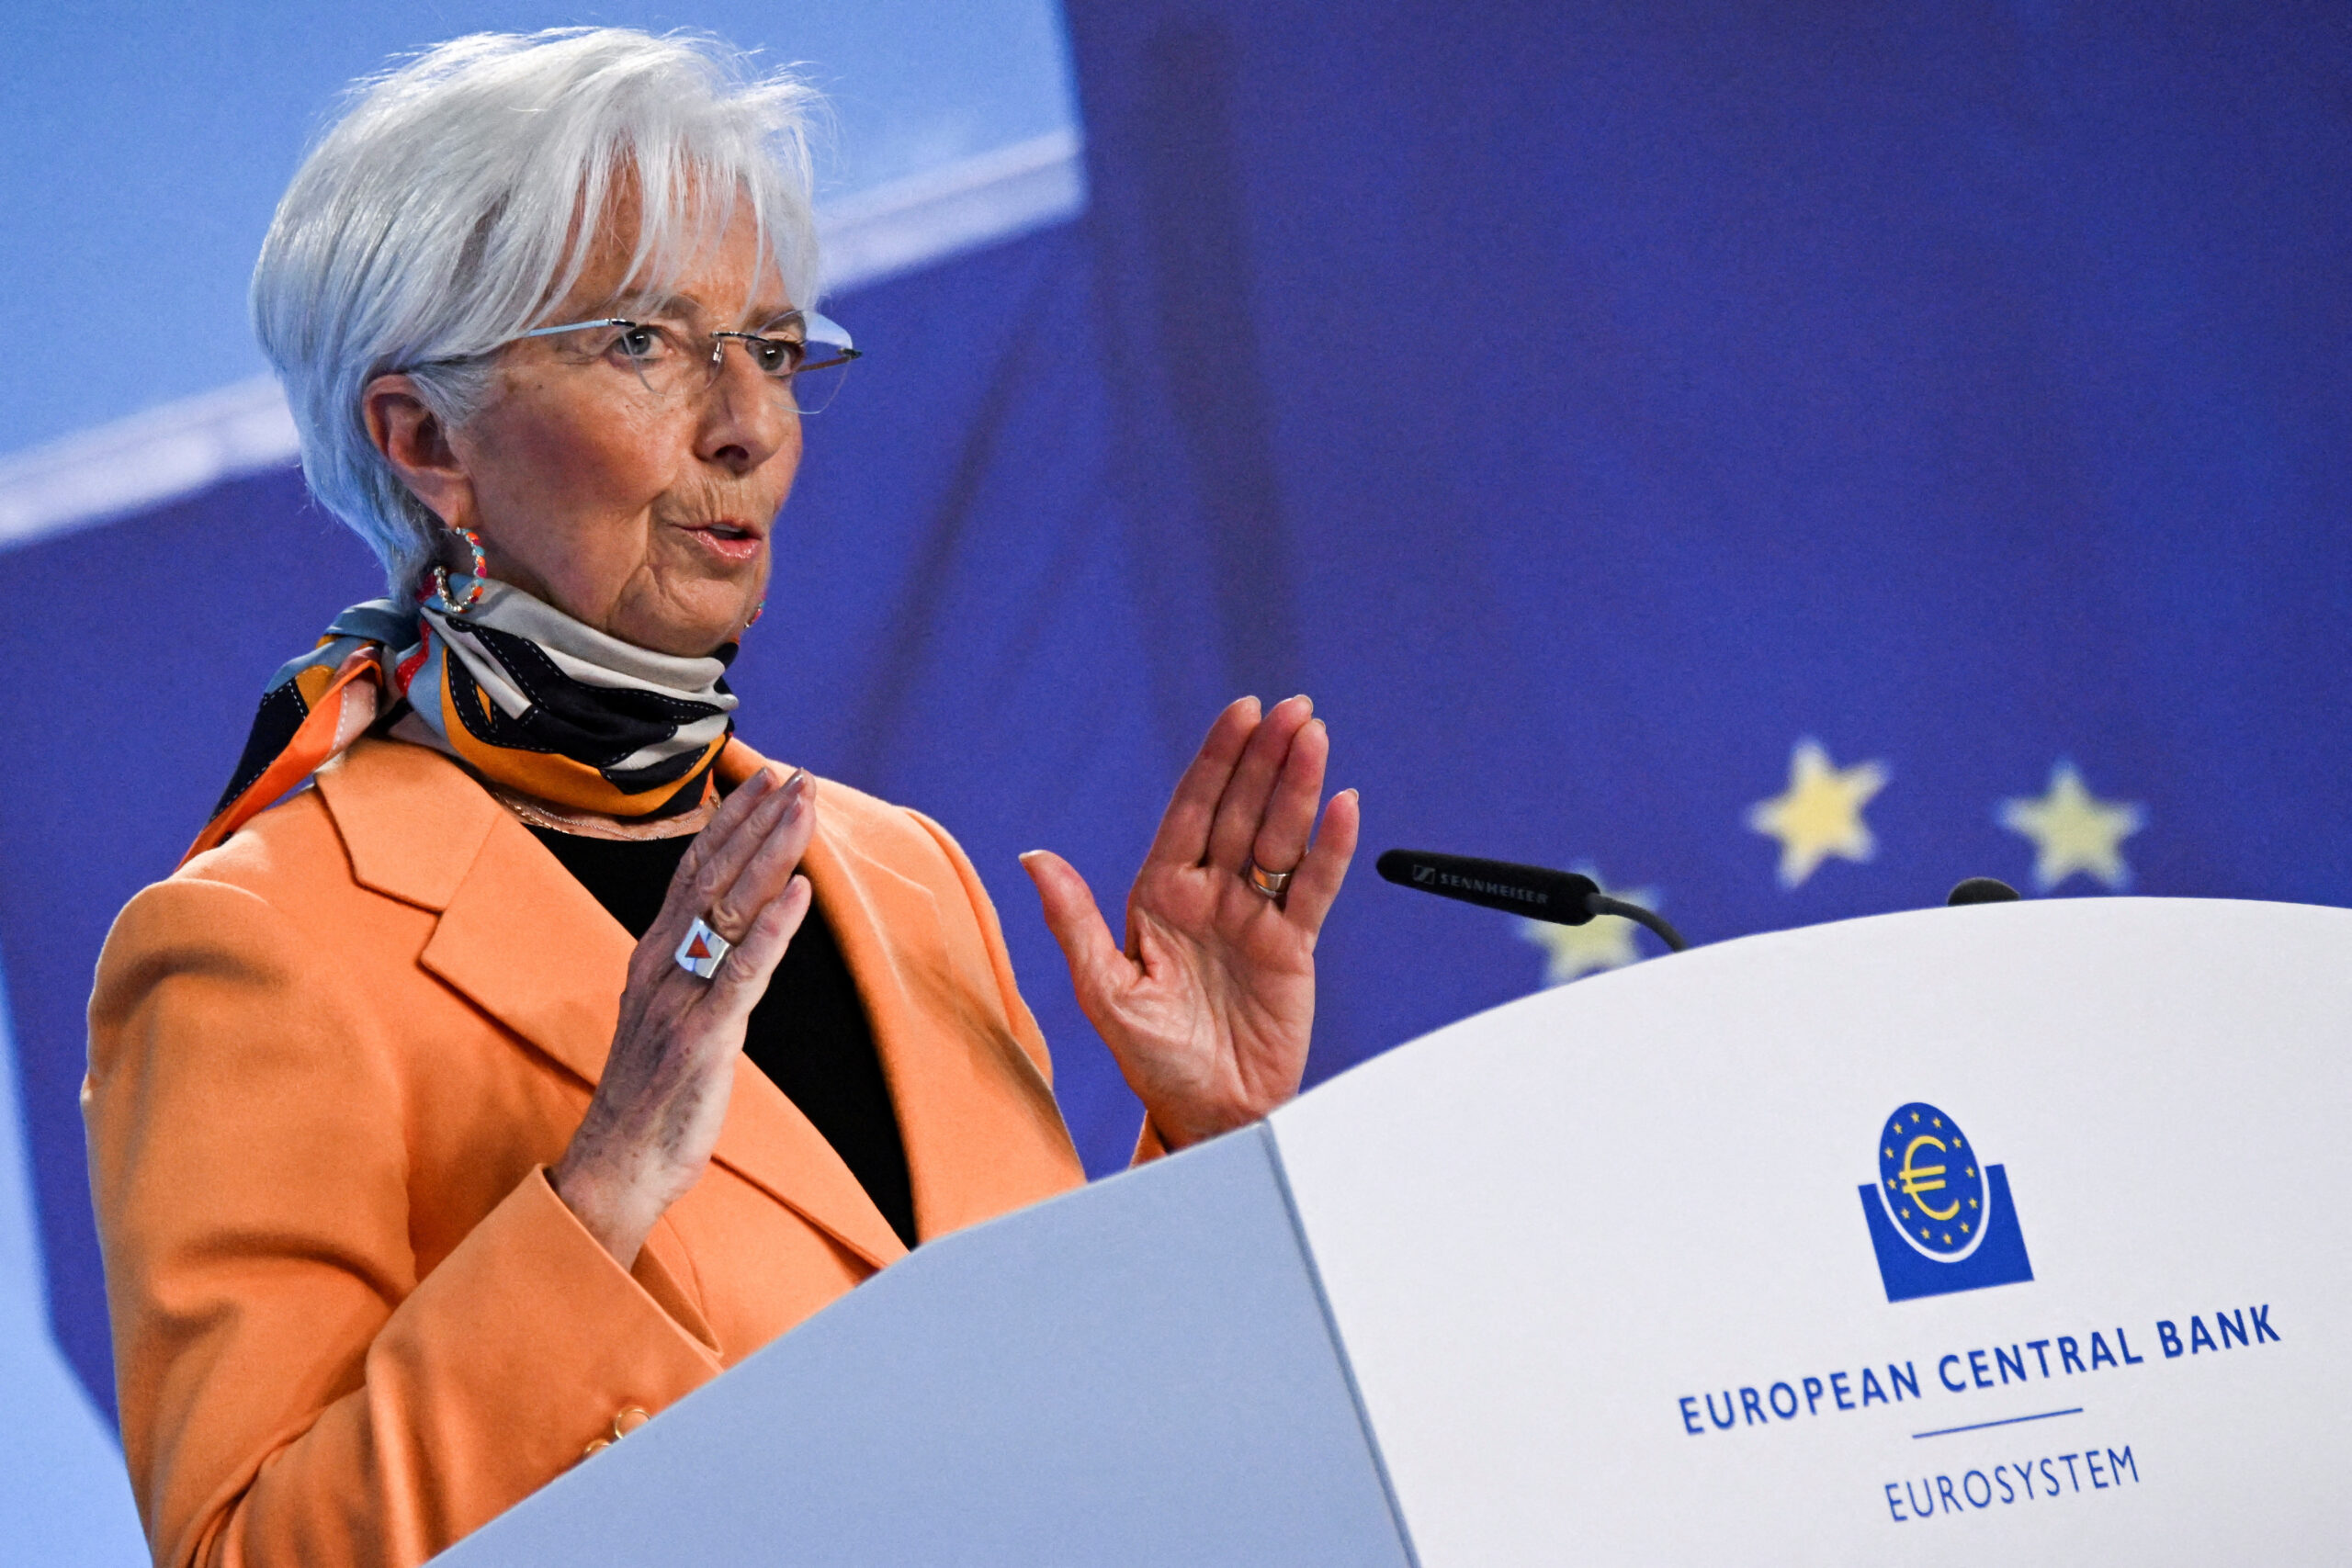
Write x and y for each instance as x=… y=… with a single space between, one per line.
x=747 y=416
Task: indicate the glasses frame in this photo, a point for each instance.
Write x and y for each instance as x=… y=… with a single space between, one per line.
x=815 y=327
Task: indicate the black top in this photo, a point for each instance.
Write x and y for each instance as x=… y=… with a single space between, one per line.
x=809 y=1033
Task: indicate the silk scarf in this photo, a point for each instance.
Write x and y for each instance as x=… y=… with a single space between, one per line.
x=511 y=686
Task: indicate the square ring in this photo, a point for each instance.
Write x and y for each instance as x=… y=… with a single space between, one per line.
x=702 y=951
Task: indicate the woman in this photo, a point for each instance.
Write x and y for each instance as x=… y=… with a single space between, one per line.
x=557 y=1051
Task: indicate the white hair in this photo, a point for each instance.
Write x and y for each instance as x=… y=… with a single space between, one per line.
x=456 y=201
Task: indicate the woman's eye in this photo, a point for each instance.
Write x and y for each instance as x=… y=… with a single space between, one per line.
x=777 y=356
x=638 y=343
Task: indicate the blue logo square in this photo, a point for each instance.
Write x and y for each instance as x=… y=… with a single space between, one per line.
x=1940 y=1220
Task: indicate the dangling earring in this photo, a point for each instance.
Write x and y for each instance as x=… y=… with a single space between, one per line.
x=757 y=611
x=480 y=574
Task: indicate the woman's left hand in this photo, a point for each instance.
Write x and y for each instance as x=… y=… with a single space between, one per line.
x=1209 y=1006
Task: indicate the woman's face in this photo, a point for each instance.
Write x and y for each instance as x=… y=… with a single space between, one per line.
x=646 y=516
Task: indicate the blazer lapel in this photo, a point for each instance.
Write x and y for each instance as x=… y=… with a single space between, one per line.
x=529 y=946
x=981 y=1132
x=522 y=940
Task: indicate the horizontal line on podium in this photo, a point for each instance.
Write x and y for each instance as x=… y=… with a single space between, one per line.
x=2005 y=1421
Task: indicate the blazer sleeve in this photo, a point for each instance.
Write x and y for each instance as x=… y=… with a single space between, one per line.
x=291 y=1392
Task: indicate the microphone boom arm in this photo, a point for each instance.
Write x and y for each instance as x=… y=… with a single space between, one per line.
x=1602 y=904
x=1563 y=897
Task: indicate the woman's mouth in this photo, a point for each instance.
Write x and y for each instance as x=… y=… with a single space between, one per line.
x=732 y=542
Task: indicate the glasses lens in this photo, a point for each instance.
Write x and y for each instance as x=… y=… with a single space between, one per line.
x=815 y=386
x=660 y=356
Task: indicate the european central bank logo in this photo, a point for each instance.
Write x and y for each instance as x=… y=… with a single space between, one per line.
x=1940 y=1219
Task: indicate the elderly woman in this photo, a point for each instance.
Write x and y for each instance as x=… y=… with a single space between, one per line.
x=557 y=1051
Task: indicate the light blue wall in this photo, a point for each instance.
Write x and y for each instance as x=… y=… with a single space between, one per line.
x=147 y=145
x=63 y=1493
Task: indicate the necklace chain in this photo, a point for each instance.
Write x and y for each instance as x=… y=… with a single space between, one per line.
x=594 y=825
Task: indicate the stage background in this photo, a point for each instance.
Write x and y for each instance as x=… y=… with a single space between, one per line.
x=1596 y=412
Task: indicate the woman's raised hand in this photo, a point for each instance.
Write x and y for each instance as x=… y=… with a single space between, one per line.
x=1209 y=1006
x=657 y=1110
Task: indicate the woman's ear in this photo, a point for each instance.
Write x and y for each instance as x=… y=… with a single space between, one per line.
x=416 y=444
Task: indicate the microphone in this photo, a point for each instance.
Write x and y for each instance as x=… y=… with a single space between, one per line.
x=1982 y=890
x=1562 y=898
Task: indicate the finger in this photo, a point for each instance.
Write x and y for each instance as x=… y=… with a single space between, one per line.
x=706 y=873
x=1098 y=970
x=1281 y=843
x=1183 y=835
x=1325 y=865
x=768 y=870
x=743 y=974
x=1243 y=805
x=759 y=788
x=733 y=808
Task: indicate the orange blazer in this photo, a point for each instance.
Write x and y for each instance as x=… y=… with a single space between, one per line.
x=330 y=1062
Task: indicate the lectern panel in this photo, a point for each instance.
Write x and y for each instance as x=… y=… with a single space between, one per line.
x=1138 y=1372
x=2008 y=1233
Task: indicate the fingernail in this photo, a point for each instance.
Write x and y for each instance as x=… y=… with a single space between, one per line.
x=1025 y=856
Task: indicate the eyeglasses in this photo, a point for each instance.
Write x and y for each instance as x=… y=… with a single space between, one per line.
x=803 y=355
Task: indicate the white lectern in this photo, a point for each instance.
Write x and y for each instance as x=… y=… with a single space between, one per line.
x=1702 y=1260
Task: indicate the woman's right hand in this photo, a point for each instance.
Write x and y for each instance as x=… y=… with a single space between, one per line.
x=657 y=1110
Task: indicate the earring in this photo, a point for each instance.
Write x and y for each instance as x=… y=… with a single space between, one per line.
x=757 y=611
x=480 y=575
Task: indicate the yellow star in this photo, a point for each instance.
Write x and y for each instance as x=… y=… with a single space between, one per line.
x=2072 y=831
x=1820 y=814
x=1605 y=941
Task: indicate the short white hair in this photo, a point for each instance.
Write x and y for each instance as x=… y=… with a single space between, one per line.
x=456 y=201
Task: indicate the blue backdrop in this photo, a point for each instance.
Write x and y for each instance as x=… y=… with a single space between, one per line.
x=1587 y=410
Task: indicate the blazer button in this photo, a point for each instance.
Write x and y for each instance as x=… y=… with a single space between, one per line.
x=630 y=1418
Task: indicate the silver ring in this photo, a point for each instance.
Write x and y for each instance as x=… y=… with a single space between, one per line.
x=1270 y=883
x=702 y=951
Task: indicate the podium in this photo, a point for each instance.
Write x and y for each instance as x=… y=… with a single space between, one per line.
x=1694 y=1261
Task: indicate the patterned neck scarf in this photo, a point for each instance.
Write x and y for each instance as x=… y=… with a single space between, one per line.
x=511 y=687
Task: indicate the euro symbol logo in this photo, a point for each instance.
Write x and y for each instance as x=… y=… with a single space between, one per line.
x=1918 y=1178
x=1972 y=1241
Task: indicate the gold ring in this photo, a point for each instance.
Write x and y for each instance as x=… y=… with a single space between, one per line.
x=1270 y=883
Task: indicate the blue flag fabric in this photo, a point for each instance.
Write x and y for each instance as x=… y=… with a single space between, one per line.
x=1782 y=463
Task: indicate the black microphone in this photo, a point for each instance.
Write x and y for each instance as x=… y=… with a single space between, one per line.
x=1562 y=898
x=1982 y=890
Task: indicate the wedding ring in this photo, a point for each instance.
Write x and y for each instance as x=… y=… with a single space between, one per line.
x=700 y=953
x=1270 y=883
